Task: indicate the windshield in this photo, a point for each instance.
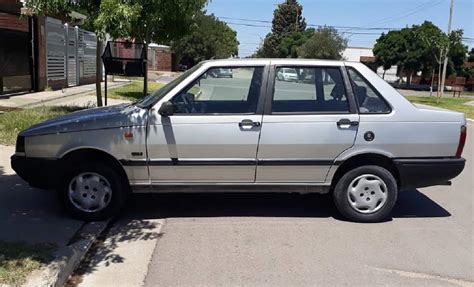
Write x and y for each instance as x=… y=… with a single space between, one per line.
x=160 y=93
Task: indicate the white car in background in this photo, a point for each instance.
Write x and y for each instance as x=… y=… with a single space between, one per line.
x=287 y=74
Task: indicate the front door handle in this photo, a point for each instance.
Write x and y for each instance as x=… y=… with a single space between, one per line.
x=347 y=123
x=249 y=123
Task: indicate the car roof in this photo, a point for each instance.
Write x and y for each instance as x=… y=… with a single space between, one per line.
x=259 y=61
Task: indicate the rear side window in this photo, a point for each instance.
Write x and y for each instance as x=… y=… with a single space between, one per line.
x=309 y=90
x=369 y=100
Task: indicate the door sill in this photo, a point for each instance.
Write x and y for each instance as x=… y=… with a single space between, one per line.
x=283 y=187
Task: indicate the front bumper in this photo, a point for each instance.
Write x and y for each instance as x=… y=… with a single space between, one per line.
x=427 y=172
x=38 y=172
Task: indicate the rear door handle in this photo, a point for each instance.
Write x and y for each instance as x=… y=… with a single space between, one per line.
x=347 y=122
x=249 y=123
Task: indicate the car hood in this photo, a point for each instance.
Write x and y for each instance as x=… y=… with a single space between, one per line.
x=91 y=119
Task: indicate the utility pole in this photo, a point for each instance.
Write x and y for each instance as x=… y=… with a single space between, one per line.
x=445 y=66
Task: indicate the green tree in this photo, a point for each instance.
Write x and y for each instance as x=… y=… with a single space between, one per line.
x=290 y=44
x=470 y=58
x=270 y=47
x=287 y=18
x=288 y=29
x=324 y=43
x=469 y=69
x=386 y=51
x=457 y=53
x=209 y=38
x=436 y=44
x=146 y=21
x=54 y=8
x=408 y=48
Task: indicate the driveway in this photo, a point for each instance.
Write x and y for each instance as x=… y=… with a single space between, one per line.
x=288 y=240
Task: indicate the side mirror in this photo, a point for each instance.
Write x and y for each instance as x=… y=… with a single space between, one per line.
x=166 y=109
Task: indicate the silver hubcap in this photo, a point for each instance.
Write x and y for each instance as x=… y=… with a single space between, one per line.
x=90 y=192
x=367 y=193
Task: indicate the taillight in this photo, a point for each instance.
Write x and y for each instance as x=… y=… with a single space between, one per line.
x=462 y=141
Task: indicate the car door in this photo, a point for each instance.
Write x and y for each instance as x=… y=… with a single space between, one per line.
x=212 y=136
x=306 y=125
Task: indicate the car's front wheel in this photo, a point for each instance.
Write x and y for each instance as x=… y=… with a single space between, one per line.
x=93 y=191
x=366 y=194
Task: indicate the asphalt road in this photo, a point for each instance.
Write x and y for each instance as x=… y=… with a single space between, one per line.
x=289 y=240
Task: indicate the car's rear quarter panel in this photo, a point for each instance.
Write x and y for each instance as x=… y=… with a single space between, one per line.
x=405 y=132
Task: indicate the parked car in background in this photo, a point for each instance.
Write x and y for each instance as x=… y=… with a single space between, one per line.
x=287 y=74
x=182 y=67
x=222 y=73
x=347 y=133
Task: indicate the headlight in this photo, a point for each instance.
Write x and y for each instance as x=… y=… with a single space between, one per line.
x=20 y=144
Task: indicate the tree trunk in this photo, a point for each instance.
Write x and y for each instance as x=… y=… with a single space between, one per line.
x=400 y=74
x=145 y=76
x=432 y=81
x=439 y=84
x=383 y=75
x=439 y=78
x=409 y=79
x=98 y=72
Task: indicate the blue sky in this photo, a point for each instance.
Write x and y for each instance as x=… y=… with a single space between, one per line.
x=360 y=13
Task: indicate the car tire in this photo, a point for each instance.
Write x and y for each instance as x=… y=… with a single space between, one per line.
x=366 y=194
x=87 y=184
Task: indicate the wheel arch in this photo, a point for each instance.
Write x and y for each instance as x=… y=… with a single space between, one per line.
x=366 y=159
x=80 y=155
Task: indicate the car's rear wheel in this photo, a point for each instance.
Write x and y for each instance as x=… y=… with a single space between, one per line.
x=366 y=194
x=93 y=191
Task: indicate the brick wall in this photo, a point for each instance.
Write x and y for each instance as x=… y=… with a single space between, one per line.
x=159 y=59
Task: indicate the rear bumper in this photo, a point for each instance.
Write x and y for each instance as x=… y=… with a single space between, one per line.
x=38 y=172
x=427 y=172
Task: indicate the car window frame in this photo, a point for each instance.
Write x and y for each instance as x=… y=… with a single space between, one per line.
x=352 y=83
x=352 y=105
x=261 y=95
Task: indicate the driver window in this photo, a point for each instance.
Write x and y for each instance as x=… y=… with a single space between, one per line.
x=309 y=90
x=222 y=91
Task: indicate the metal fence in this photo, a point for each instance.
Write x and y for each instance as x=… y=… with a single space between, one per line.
x=70 y=52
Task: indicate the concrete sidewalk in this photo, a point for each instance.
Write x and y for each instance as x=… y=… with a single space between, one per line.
x=29 y=214
x=58 y=97
x=36 y=217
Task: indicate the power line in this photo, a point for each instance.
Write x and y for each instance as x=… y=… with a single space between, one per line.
x=310 y=25
x=249 y=25
x=265 y=26
x=411 y=11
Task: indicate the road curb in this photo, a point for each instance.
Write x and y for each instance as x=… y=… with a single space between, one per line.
x=68 y=257
x=42 y=102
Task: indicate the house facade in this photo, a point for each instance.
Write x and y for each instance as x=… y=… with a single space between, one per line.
x=38 y=52
x=366 y=56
